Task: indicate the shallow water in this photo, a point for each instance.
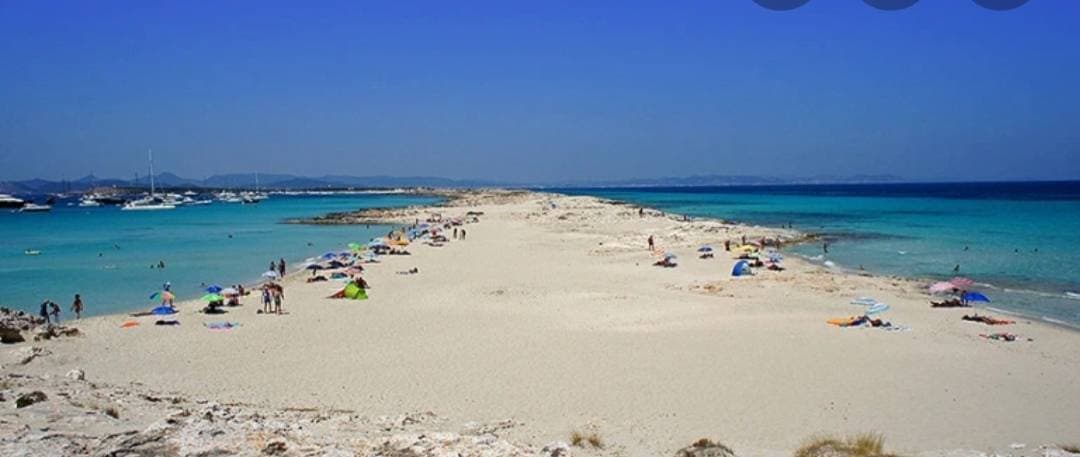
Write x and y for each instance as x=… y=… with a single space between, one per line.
x=106 y=254
x=1020 y=241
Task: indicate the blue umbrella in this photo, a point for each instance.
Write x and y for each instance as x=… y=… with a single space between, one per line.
x=214 y=289
x=741 y=267
x=705 y=248
x=329 y=255
x=975 y=296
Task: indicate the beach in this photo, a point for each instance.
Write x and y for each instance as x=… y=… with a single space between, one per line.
x=549 y=318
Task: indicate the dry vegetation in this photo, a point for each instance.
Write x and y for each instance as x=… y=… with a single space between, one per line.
x=864 y=445
x=592 y=439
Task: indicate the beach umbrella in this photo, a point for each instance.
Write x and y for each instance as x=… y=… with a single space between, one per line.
x=355 y=246
x=329 y=255
x=961 y=282
x=943 y=286
x=163 y=310
x=271 y=274
x=214 y=289
x=877 y=308
x=741 y=267
x=975 y=296
x=705 y=248
x=315 y=266
x=211 y=297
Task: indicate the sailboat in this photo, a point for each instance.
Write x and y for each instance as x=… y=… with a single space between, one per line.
x=253 y=197
x=151 y=202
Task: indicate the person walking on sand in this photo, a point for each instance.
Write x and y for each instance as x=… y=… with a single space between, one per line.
x=77 y=307
x=652 y=243
x=462 y=234
x=455 y=233
x=281 y=267
x=55 y=312
x=641 y=212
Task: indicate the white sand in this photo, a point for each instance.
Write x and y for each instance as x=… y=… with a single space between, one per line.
x=555 y=318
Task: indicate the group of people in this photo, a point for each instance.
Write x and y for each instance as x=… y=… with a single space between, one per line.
x=273 y=295
x=50 y=311
x=278 y=267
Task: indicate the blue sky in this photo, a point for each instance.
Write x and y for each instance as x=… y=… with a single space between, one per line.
x=540 y=91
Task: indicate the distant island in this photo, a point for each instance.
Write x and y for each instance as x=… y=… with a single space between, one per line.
x=295 y=182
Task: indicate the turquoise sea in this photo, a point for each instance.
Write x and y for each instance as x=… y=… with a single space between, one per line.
x=1019 y=241
x=106 y=254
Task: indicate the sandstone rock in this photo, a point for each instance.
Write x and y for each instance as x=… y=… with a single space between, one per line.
x=49 y=332
x=10 y=335
x=28 y=399
x=76 y=375
x=556 y=449
x=705 y=448
x=275 y=447
x=28 y=354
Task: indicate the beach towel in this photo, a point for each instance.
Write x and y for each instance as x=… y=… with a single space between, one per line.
x=222 y=325
x=129 y=324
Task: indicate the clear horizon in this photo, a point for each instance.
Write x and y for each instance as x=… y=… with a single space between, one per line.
x=941 y=91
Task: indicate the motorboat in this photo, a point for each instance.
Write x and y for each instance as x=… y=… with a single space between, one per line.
x=9 y=201
x=35 y=208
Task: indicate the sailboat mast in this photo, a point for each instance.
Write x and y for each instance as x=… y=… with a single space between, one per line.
x=150 y=158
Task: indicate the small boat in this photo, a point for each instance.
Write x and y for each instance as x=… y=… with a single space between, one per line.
x=147 y=204
x=31 y=252
x=87 y=202
x=35 y=208
x=8 y=201
x=200 y=202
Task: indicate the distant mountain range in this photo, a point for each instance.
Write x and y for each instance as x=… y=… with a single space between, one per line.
x=286 y=181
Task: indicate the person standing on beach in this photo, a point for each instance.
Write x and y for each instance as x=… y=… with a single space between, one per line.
x=281 y=267
x=462 y=234
x=652 y=243
x=44 y=312
x=55 y=312
x=455 y=233
x=641 y=212
x=266 y=298
x=279 y=296
x=825 y=246
x=727 y=245
x=77 y=306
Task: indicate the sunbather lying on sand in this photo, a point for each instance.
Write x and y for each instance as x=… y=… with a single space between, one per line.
x=319 y=278
x=666 y=263
x=986 y=319
x=1010 y=337
x=953 y=303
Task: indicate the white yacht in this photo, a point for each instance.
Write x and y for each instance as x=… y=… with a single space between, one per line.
x=35 y=208
x=9 y=201
x=89 y=202
x=151 y=202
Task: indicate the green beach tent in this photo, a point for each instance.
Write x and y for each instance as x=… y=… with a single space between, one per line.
x=355 y=292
